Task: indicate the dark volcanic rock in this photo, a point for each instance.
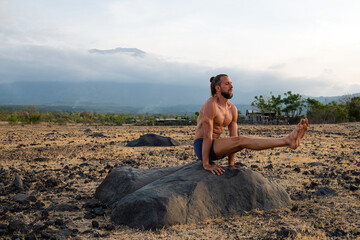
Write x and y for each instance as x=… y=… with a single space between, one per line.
x=154 y=198
x=24 y=198
x=325 y=192
x=41 y=159
x=316 y=164
x=100 y=134
x=63 y=207
x=51 y=182
x=18 y=183
x=153 y=140
x=17 y=226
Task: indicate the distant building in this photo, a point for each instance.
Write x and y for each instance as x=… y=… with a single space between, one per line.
x=258 y=117
x=171 y=121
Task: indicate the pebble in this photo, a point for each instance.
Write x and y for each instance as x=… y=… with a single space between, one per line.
x=17 y=226
x=95 y=224
x=24 y=198
x=51 y=182
x=99 y=211
x=353 y=187
x=18 y=183
x=325 y=192
x=64 y=207
x=270 y=166
x=89 y=215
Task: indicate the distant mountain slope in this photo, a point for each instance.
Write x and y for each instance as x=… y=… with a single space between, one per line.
x=325 y=100
x=133 y=51
x=142 y=97
x=118 y=96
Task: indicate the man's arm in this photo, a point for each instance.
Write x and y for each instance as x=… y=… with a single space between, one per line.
x=207 y=128
x=233 y=132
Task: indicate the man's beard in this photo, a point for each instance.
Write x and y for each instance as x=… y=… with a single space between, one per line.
x=226 y=95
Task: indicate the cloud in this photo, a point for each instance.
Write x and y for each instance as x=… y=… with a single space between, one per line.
x=277 y=66
x=26 y=63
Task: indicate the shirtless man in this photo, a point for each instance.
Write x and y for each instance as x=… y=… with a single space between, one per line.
x=216 y=114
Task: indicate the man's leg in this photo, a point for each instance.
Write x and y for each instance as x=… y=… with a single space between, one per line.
x=227 y=146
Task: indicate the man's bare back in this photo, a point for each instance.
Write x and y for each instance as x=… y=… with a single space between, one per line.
x=216 y=114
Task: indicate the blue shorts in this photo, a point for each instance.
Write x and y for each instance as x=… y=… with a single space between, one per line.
x=198 y=150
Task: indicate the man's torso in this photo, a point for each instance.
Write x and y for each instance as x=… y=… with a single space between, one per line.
x=222 y=117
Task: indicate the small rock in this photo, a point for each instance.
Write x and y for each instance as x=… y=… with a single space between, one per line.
x=285 y=233
x=270 y=166
x=51 y=182
x=40 y=159
x=16 y=237
x=48 y=234
x=18 y=183
x=3 y=232
x=63 y=208
x=99 y=211
x=17 y=226
x=78 y=197
x=24 y=198
x=91 y=203
x=89 y=215
x=3 y=226
x=97 y=135
x=297 y=169
x=31 y=236
x=353 y=187
x=95 y=224
x=313 y=185
x=59 y=222
x=39 y=205
x=109 y=227
x=325 y=192
x=295 y=208
x=316 y=164
x=64 y=233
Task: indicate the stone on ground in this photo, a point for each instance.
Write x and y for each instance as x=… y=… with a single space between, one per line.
x=153 y=198
x=153 y=140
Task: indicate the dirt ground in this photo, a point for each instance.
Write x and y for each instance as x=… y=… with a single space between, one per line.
x=49 y=174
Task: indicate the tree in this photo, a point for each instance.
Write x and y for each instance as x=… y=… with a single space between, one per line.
x=30 y=115
x=275 y=105
x=294 y=104
x=261 y=103
x=13 y=119
x=353 y=107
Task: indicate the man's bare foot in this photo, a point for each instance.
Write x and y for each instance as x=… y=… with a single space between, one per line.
x=294 y=138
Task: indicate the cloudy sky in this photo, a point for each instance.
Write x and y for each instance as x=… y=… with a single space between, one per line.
x=309 y=47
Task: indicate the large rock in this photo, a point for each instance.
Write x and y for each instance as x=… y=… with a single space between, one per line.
x=154 y=198
x=153 y=140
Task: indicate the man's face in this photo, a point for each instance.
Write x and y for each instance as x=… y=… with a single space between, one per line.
x=226 y=87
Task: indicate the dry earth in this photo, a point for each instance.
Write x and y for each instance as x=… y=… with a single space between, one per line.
x=49 y=173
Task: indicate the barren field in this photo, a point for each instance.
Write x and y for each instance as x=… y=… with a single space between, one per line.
x=49 y=174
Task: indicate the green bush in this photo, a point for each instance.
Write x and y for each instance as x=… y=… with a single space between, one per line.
x=13 y=119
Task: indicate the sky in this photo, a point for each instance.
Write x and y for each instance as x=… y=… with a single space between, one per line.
x=308 y=47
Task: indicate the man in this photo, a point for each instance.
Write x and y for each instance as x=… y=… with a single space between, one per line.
x=216 y=114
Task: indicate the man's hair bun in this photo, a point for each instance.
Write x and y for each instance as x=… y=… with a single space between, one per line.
x=211 y=79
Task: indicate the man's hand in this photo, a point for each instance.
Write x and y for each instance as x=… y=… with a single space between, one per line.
x=215 y=169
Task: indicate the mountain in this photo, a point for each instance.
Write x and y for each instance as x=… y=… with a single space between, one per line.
x=133 y=51
x=118 y=97
x=325 y=100
x=105 y=96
